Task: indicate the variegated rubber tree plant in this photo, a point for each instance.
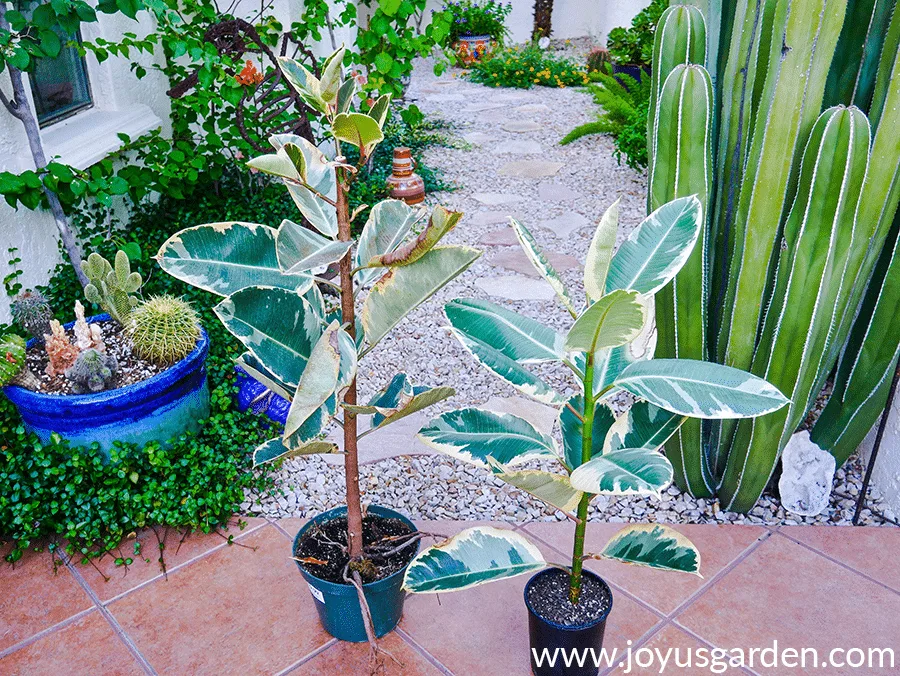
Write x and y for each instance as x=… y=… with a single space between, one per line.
x=602 y=453
x=269 y=280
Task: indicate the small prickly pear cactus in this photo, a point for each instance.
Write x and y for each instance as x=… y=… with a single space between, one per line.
x=93 y=371
x=13 y=368
x=31 y=311
x=111 y=286
x=163 y=329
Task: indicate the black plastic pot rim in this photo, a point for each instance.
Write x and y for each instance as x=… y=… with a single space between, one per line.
x=567 y=627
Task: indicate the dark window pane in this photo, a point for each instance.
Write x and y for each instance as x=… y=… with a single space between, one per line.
x=60 y=86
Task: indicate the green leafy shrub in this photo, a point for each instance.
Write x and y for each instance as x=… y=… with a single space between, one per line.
x=634 y=46
x=477 y=17
x=623 y=116
x=524 y=67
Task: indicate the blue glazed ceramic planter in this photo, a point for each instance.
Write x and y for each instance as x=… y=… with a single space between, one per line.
x=156 y=409
x=255 y=396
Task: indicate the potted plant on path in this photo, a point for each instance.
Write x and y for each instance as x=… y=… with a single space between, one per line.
x=631 y=49
x=352 y=558
x=477 y=28
x=603 y=453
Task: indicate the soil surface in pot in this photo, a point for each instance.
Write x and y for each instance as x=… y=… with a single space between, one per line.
x=549 y=598
x=131 y=369
x=382 y=538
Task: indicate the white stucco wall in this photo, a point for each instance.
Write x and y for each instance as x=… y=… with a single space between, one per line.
x=886 y=475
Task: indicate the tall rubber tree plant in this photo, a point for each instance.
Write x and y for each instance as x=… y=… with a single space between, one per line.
x=800 y=202
x=602 y=453
x=271 y=301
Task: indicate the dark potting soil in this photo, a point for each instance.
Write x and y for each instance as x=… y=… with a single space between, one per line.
x=549 y=598
x=326 y=543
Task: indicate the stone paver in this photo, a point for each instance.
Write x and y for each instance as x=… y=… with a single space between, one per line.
x=517 y=261
x=530 y=168
x=565 y=224
x=517 y=148
x=521 y=126
x=557 y=192
x=494 y=199
x=504 y=237
x=479 y=137
x=516 y=287
x=532 y=108
x=483 y=106
x=391 y=441
x=480 y=218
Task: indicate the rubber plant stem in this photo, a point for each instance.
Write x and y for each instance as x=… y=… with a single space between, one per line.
x=587 y=444
x=348 y=318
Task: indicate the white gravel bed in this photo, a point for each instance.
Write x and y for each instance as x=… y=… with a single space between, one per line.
x=437 y=487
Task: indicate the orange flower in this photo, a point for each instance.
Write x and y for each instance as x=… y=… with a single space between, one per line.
x=249 y=76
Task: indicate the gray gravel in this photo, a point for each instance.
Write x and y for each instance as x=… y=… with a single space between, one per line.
x=437 y=487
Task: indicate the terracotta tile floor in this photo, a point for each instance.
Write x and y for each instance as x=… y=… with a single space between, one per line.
x=241 y=608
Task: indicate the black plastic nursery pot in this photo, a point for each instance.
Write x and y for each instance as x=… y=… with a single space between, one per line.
x=549 y=639
x=338 y=604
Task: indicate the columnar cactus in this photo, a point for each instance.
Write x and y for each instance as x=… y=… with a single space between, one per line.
x=92 y=371
x=163 y=329
x=13 y=367
x=111 y=286
x=31 y=311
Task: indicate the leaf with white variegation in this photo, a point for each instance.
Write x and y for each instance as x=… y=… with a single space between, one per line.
x=643 y=425
x=511 y=371
x=389 y=222
x=630 y=471
x=658 y=248
x=615 y=319
x=380 y=109
x=300 y=249
x=441 y=222
x=305 y=83
x=653 y=546
x=540 y=262
x=571 y=427
x=520 y=338
x=600 y=253
x=274 y=449
x=332 y=70
x=226 y=257
x=554 y=489
x=358 y=130
x=254 y=368
x=281 y=163
x=321 y=177
x=279 y=327
x=398 y=399
x=700 y=389
x=403 y=289
x=472 y=557
x=319 y=380
x=473 y=434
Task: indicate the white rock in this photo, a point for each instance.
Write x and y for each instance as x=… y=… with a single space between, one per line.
x=807 y=476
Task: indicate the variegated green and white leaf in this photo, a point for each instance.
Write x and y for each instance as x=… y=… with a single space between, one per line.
x=300 y=249
x=321 y=177
x=305 y=83
x=600 y=253
x=380 y=109
x=258 y=371
x=318 y=382
x=316 y=301
x=403 y=289
x=520 y=338
x=543 y=266
x=281 y=163
x=440 y=223
x=554 y=489
x=358 y=130
x=472 y=557
x=398 y=399
x=345 y=95
x=279 y=327
x=613 y=320
x=700 y=389
x=654 y=546
x=332 y=70
x=630 y=471
x=643 y=425
x=274 y=449
x=511 y=371
x=389 y=222
x=658 y=248
x=226 y=257
x=473 y=434
x=571 y=428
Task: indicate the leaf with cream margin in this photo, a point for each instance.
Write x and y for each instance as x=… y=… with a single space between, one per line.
x=534 y=254
x=398 y=399
x=643 y=425
x=628 y=471
x=472 y=557
x=571 y=427
x=258 y=371
x=653 y=546
x=380 y=108
x=389 y=222
x=402 y=289
x=321 y=177
x=332 y=70
x=286 y=162
x=300 y=249
x=600 y=254
x=613 y=320
x=441 y=222
x=274 y=449
x=304 y=82
x=554 y=489
x=223 y=258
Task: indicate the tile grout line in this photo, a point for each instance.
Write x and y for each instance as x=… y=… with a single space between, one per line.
x=410 y=641
x=705 y=642
x=34 y=638
x=113 y=622
x=846 y=566
x=306 y=658
x=645 y=638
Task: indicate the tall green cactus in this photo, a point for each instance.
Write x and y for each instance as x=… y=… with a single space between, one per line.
x=795 y=222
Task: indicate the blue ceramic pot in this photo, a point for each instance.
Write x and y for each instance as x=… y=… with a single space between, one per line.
x=157 y=409
x=255 y=396
x=338 y=604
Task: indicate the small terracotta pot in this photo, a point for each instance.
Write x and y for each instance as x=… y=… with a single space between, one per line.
x=404 y=183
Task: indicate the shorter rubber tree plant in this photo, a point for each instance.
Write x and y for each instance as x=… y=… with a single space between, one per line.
x=269 y=277
x=608 y=348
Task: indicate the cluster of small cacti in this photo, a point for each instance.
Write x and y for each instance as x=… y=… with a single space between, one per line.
x=60 y=350
x=111 y=286
x=31 y=312
x=93 y=371
x=163 y=329
x=13 y=368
